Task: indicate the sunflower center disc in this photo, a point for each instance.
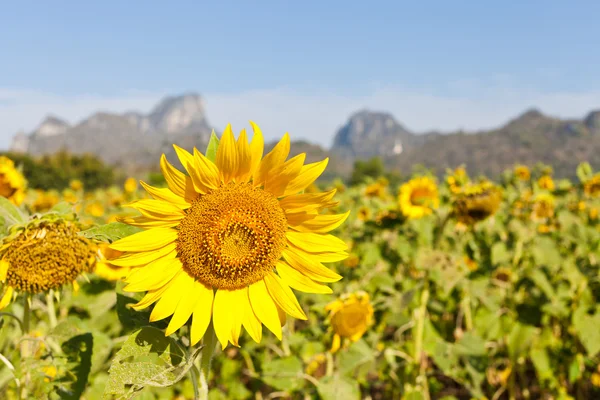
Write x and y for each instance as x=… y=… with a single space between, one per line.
x=47 y=257
x=232 y=236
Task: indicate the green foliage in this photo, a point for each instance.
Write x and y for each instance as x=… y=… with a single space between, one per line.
x=56 y=171
x=110 y=232
x=363 y=170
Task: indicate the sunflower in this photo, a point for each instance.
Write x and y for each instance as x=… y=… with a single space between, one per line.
x=477 y=202
x=591 y=187
x=228 y=241
x=376 y=189
x=95 y=209
x=543 y=206
x=418 y=197
x=522 y=172
x=76 y=185
x=130 y=185
x=350 y=317
x=12 y=181
x=104 y=268
x=47 y=253
x=364 y=213
x=45 y=200
x=546 y=182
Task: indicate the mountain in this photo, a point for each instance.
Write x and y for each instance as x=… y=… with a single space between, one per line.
x=368 y=134
x=132 y=141
x=528 y=139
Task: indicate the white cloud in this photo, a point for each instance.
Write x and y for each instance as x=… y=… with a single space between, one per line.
x=314 y=115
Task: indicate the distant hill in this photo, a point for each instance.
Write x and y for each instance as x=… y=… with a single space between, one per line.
x=134 y=141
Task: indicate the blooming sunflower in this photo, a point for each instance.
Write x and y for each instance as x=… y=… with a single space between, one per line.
x=543 y=206
x=418 y=197
x=477 y=202
x=546 y=182
x=228 y=241
x=46 y=253
x=591 y=187
x=522 y=172
x=130 y=185
x=12 y=182
x=350 y=317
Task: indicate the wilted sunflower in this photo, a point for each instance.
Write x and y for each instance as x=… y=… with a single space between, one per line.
x=418 y=197
x=522 y=172
x=45 y=254
x=229 y=240
x=546 y=182
x=12 y=181
x=591 y=187
x=477 y=202
x=350 y=317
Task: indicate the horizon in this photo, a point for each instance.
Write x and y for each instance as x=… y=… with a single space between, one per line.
x=457 y=68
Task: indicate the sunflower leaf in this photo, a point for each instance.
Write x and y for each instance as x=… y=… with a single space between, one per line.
x=11 y=213
x=110 y=232
x=211 y=149
x=338 y=387
x=147 y=359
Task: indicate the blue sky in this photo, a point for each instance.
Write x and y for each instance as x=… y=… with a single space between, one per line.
x=450 y=58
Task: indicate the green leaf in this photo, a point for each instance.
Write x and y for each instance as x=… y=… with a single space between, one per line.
x=213 y=145
x=147 y=359
x=500 y=254
x=470 y=345
x=586 y=326
x=338 y=387
x=62 y=208
x=11 y=213
x=542 y=364
x=584 y=171
x=130 y=318
x=110 y=232
x=356 y=356
x=519 y=340
x=283 y=374
x=78 y=350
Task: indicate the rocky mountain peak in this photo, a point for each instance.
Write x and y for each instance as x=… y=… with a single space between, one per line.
x=51 y=126
x=530 y=119
x=178 y=113
x=370 y=133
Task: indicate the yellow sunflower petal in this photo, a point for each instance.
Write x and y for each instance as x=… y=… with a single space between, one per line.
x=321 y=223
x=178 y=182
x=149 y=240
x=299 y=281
x=3 y=269
x=189 y=163
x=150 y=297
x=316 y=243
x=264 y=307
x=273 y=159
x=202 y=312
x=7 y=297
x=170 y=298
x=207 y=171
x=227 y=157
x=308 y=174
x=295 y=219
x=157 y=209
x=281 y=176
x=227 y=317
x=309 y=266
x=147 y=223
x=244 y=158
x=283 y=296
x=153 y=275
x=165 y=194
x=143 y=258
x=256 y=147
x=185 y=307
x=306 y=201
x=250 y=321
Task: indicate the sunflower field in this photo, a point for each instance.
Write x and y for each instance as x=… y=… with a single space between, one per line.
x=245 y=277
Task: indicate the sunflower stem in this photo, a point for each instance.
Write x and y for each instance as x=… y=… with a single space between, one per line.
x=26 y=316
x=51 y=310
x=209 y=343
